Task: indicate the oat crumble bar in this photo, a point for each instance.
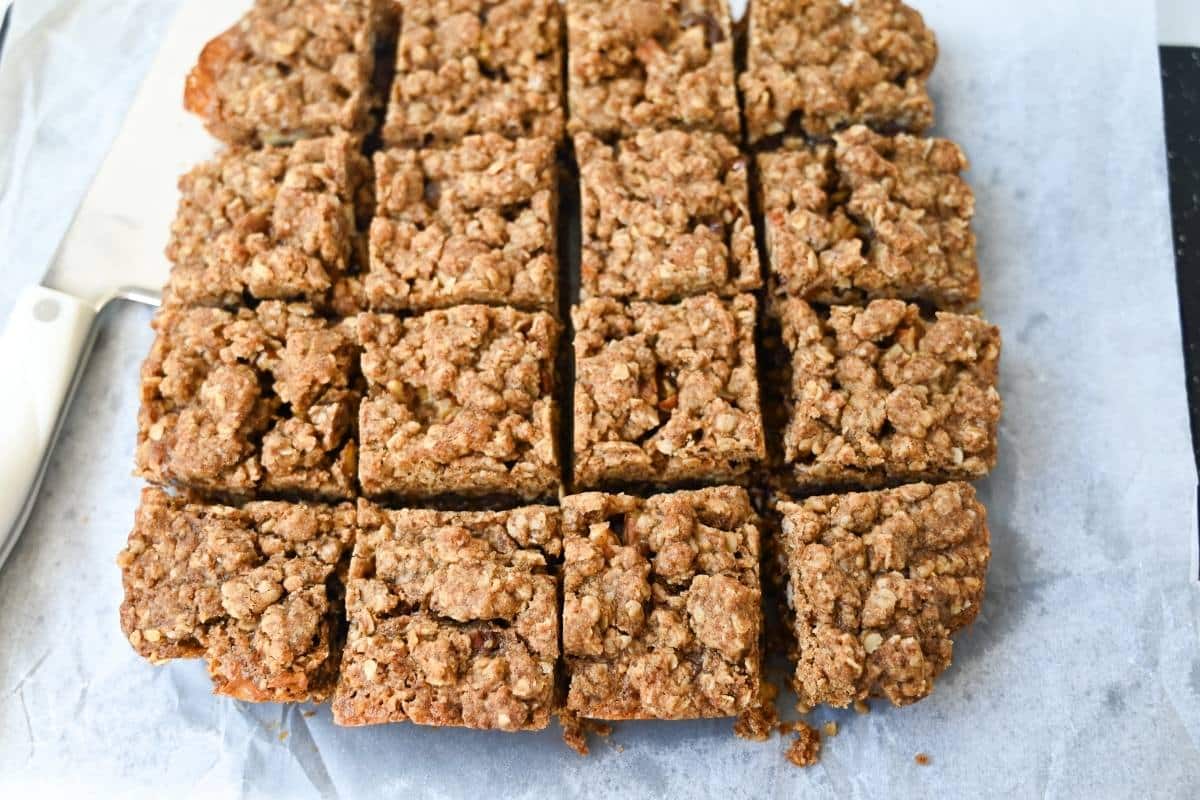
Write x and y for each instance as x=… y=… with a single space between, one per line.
x=476 y=66
x=276 y=223
x=236 y=403
x=453 y=619
x=872 y=216
x=665 y=393
x=460 y=402
x=658 y=64
x=665 y=215
x=880 y=394
x=245 y=588
x=288 y=70
x=814 y=66
x=879 y=582
x=661 y=604
x=474 y=223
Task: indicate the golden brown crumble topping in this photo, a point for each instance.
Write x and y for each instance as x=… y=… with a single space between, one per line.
x=288 y=70
x=880 y=394
x=453 y=619
x=475 y=223
x=276 y=223
x=665 y=393
x=460 y=401
x=665 y=215
x=657 y=64
x=246 y=588
x=661 y=604
x=246 y=401
x=870 y=217
x=476 y=66
x=879 y=582
x=815 y=66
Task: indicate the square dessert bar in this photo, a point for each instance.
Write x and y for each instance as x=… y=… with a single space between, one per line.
x=870 y=216
x=460 y=401
x=654 y=64
x=237 y=403
x=472 y=223
x=276 y=223
x=878 y=582
x=661 y=604
x=880 y=395
x=476 y=66
x=453 y=619
x=814 y=66
x=665 y=215
x=248 y=589
x=665 y=393
x=289 y=70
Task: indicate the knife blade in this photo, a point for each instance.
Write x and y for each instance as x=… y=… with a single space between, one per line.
x=112 y=251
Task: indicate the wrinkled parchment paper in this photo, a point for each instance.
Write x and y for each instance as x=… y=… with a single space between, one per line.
x=1081 y=677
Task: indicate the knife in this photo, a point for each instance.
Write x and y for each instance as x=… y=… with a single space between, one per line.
x=112 y=252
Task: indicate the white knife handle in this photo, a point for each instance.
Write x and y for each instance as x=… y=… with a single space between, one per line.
x=42 y=346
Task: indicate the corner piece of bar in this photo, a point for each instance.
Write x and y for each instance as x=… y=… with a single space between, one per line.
x=870 y=217
x=245 y=588
x=662 y=611
x=289 y=70
x=453 y=619
x=816 y=66
x=666 y=394
x=878 y=583
x=460 y=401
x=881 y=394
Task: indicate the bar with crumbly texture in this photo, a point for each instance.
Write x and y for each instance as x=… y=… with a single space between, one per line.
x=289 y=70
x=476 y=66
x=453 y=619
x=247 y=589
x=665 y=215
x=472 y=223
x=650 y=64
x=815 y=66
x=665 y=394
x=252 y=401
x=661 y=605
x=460 y=401
x=878 y=583
x=867 y=217
x=880 y=394
x=276 y=223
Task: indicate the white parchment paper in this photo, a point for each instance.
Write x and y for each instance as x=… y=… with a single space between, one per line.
x=1081 y=677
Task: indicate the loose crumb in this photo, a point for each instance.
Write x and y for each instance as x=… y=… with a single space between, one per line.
x=575 y=730
x=806 y=747
x=862 y=707
x=308 y=714
x=283 y=736
x=756 y=724
x=830 y=728
x=922 y=759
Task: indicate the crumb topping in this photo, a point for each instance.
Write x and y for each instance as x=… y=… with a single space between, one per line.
x=460 y=401
x=879 y=581
x=665 y=215
x=661 y=612
x=815 y=66
x=665 y=392
x=880 y=393
x=475 y=223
